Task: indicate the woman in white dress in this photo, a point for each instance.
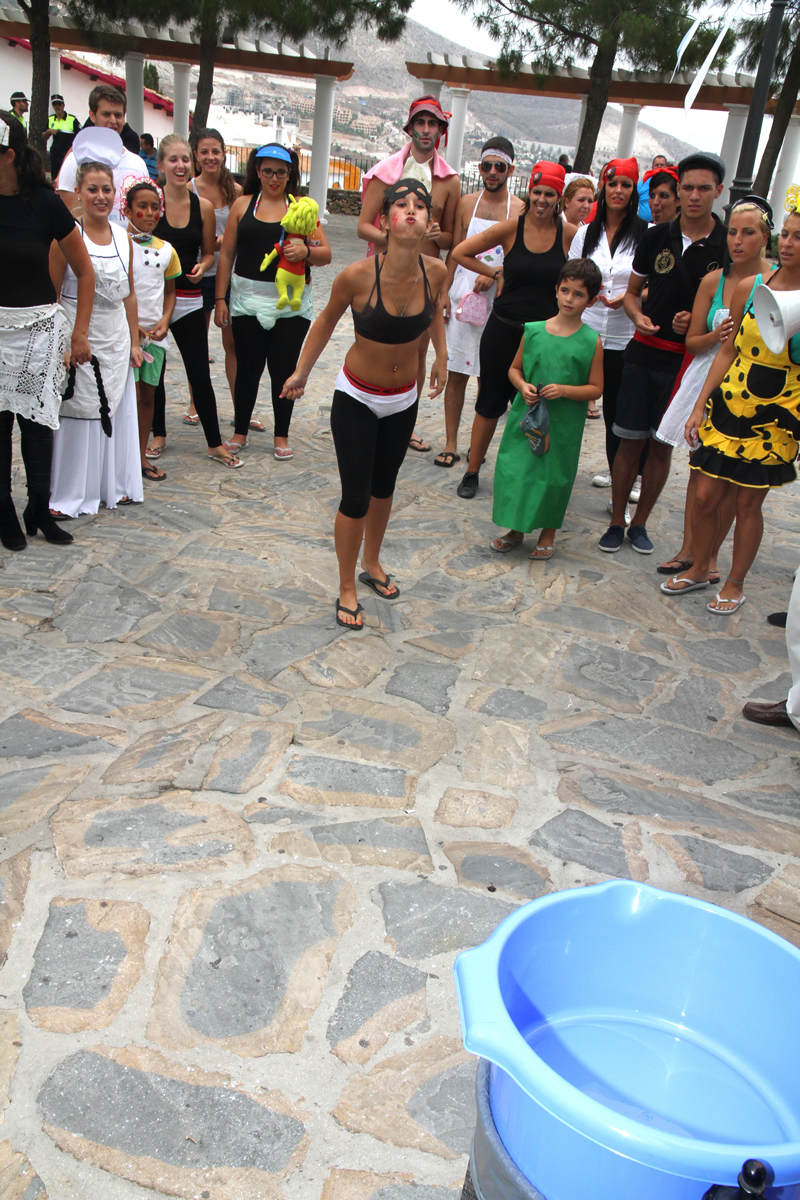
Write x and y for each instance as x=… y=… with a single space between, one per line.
x=96 y=450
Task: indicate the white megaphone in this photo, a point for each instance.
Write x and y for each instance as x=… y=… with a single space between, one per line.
x=777 y=316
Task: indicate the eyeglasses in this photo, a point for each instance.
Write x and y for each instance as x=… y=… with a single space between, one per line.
x=500 y=167
x=268 y=173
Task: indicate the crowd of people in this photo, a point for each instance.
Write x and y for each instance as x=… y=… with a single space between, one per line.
x=628 y=287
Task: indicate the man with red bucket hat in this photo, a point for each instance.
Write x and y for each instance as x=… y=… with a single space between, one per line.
x=427 y=123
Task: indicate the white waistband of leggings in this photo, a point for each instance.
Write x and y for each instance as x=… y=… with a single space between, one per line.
x=382 y=406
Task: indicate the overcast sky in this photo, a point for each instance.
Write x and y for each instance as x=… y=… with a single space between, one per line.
x=704 y=129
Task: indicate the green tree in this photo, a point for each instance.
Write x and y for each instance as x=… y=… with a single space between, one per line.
x=644 y=34
x=151 y=76
x=786 y=82
x=214 y=20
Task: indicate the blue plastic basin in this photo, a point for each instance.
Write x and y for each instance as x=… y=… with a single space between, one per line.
x=644 y=1044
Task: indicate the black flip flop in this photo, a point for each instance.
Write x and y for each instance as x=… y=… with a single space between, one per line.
x=375 y=583
x=352 y=612
x=448 y=455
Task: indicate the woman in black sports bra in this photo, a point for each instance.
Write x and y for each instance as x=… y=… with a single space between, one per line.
x=536 y=246
x=395 y=298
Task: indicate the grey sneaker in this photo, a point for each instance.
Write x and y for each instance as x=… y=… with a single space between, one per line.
x=468 y=486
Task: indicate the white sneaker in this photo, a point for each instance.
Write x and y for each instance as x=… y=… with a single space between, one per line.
x=602 y=480
x=610 y=511
x=636 y=490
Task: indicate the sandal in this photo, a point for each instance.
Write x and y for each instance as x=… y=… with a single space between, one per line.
x=154 y=451
x=542 y=552
x=376 y=584
x=226 y=460
x=235 y=447
x=446 y=458
x=283 y=452
x=419 y=444
x=59 y=516
x=691 y=585
x=714 y=605
x=502 y=545
x=154 y=474
x=189 y=418
x=352 y=612
x=673 y=566
x=594 y=414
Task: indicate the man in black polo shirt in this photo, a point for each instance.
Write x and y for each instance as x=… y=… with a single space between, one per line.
x=671 y=259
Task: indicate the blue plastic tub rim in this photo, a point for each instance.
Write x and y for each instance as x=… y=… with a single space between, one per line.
x=489 y=1031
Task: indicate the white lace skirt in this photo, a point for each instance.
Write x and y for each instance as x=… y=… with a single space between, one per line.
x=90 y=469
x=33 y=343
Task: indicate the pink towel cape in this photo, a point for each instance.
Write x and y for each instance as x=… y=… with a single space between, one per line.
x=390 y=170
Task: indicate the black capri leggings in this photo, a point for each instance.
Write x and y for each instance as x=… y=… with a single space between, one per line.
x=612 y=377
x=499 y=346
x=369 y=449
x=278 y=349
x=191 y=338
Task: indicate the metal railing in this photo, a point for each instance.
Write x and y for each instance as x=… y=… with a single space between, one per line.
x=344 y=170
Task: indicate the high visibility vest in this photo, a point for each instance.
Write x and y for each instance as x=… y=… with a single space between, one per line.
x=65 y=124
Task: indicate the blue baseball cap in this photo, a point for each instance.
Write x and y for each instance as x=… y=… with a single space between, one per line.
x=273 y=150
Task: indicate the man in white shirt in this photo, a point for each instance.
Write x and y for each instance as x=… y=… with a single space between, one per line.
x=107 y=106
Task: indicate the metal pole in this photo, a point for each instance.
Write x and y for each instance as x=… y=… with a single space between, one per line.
x=743 y=183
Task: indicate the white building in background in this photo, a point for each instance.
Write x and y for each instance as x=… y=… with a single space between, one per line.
x=252 y=129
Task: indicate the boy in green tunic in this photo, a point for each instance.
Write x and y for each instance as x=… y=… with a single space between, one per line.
x=566 y=358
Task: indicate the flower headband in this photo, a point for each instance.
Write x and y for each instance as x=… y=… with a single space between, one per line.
x=131 y=182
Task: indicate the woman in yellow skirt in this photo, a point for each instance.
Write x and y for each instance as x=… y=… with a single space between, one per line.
x=747 y=424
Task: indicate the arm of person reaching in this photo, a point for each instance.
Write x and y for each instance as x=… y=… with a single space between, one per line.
x=527 y=390
x=72 y=250
x=206 y=260
x=698 y=339
x=632 y=303
x=438 y=274
x=366 y=229
x=501 y=234
x=132 y=313
x=722 y=362
x=584 y=392
x=441 y=232
x=66 y=182
x=321 y=331
x=227 y=257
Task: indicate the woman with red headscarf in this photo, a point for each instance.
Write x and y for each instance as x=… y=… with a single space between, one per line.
x=535 y=246
x=610 y=241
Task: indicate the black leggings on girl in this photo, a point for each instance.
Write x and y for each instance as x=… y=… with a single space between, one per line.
x=370 y=451
x=191 y=338
x=278 y=349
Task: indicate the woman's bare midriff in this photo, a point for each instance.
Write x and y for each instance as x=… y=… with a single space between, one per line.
x=381 y=365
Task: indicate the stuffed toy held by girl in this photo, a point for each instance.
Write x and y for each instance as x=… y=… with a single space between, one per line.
x=299 y=223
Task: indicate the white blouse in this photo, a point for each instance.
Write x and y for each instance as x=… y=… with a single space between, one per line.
x=614 y=326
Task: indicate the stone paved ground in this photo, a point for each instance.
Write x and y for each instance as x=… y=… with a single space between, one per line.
x=240 y=851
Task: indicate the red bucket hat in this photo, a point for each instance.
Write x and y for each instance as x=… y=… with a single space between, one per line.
x=549 y=174
x=428 y=104
x=628 y=167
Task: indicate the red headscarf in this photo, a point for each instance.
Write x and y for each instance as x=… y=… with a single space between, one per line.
x=428 y=104
x=628 y=167
x=660 y=171
x=548 y=174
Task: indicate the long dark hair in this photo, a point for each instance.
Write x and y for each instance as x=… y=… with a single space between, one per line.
x=226 y=183
x=27 y=161
x=252 y=183
x=629 y=233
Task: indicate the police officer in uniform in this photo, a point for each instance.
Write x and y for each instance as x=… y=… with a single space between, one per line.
x=61 y=127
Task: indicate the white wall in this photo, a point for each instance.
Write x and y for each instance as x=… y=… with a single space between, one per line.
x=15 y=72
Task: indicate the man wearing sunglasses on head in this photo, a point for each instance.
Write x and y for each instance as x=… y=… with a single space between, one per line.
x=476 y=212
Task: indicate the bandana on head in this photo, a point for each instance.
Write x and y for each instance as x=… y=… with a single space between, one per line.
x=548 y=174
x=660 y=171
x=627 y=167
x=399 y=191
x=491 y=153
x=140 y=181
x=428 y=104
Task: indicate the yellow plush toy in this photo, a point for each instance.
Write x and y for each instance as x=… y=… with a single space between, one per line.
x=299 y=222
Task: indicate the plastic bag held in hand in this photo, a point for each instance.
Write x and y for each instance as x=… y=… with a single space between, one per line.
x=536 y=425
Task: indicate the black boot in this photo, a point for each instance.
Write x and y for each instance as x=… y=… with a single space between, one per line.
x=37 y=454
x=11 y=534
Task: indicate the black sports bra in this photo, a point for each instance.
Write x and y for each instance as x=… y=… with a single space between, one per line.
x=375 y=324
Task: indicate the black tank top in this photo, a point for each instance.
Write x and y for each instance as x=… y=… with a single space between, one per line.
x=254 y=239
x=377 y=325
x=529 y=280
x=187 y=243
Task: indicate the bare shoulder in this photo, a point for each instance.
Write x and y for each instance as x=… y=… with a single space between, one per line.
x=517 y=206
x=206 y=206
x=238 y=188
x=467 y=203
x=239 y=206
x=436 y=271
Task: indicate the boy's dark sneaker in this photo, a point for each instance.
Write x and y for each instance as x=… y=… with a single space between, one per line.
x=612 y=539
x=468 y=486
x=641 y=543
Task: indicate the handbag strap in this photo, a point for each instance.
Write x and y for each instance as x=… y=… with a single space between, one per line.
x=69 y=392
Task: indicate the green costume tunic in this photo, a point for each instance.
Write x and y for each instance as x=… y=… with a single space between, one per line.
x=530 y=492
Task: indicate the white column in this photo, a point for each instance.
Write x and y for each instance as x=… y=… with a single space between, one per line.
x=321 y=140
x=431 y=87
x=786 y=174
x=55 y=73
x=581 y=120
x=180 y=99
x=134 y=89
x=627 y=130
x=458 y=122
x=731 y=146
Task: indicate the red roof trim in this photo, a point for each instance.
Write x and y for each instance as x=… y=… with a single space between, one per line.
x=74 y=64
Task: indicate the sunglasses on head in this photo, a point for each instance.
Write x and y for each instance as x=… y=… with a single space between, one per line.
x=500 y=167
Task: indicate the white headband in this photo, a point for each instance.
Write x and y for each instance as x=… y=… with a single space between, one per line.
x=498 y=154
x=4 y=130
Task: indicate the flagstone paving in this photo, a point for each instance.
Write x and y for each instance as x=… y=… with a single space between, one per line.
x=242 y=847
